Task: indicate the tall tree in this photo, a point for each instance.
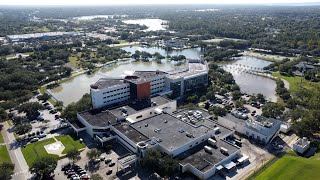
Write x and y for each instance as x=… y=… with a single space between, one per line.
x=6 y=170
x=43 y=167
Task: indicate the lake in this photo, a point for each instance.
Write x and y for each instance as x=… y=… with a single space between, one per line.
x=73 y=90
x=249 y=83
x=98 y=16
x=152 y=24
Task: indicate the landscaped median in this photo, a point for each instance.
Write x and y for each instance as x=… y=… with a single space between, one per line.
x=4 y=155
x=36 y=150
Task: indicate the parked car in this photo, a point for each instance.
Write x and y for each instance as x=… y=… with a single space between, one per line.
x=107 y=161
x=109 y=172
x=34 y=140
x=42 y=135
x=53 y=111
x=111 y=164
x=56 y=116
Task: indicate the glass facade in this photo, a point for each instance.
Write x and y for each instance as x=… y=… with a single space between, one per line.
x=176 y=89
x=192 y=83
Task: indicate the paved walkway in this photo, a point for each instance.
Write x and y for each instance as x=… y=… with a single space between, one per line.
x=21 y=170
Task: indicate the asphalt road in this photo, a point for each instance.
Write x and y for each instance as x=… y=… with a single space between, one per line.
x=21 y=170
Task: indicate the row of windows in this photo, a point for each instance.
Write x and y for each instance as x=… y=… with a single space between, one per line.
x=115 y=95
x=157 y=84
x=115 y=90
x=124 y=97
x=156 y=92
x=158 y=79
x=157 y=88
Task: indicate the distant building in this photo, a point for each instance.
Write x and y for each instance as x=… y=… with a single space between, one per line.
x=301 y=146
x=142 y=85
x=34 y=36
x=174 y=43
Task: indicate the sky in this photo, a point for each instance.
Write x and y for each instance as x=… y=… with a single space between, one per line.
x=137 y=2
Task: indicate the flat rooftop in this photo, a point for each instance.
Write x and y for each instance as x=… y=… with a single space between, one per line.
x=148 y=74
x=205 y=121
x=204 y=161
x=130 y=132
x=106 y=83
x=193 y=68
x=99 y=118
x=77 y=124
x=169 y=129
x=133 y=108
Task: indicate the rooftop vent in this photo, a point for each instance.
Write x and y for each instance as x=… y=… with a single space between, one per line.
x=146 y=125
x=165 y=121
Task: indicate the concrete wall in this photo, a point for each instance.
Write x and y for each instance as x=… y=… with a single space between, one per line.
x=238 y=127
x=124 y=140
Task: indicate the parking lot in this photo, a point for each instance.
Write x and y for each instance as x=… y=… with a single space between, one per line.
x=105 y=168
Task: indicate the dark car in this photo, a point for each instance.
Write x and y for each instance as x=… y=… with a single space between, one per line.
x=112 y=164
x=109 y=172
x=56 y=116
x=53 y=111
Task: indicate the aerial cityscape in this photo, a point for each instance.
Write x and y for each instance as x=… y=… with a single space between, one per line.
x=159 y=90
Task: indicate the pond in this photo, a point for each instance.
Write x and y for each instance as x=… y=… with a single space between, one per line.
x=152 y=24
x=249 y=83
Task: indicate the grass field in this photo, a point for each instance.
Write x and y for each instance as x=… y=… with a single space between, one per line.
x=4 y=155
x=292 y=167
x=74 y=61
x=36 y=150
x=1 y=137
x=295 y=82
x=70 y=142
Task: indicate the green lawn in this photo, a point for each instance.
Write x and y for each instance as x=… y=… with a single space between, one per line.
x=74 y=61
x=295 y=82
x=4 y=155
x=36 y=150
x=70 y=142
x=292 y=167
x=1 y=138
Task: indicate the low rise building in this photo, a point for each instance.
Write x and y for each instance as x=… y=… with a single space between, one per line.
x=301 y=145
x=34 y=36
x=260 y=128
x=201 y=144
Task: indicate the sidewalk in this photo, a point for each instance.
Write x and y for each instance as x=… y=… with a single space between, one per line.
x=21 y=168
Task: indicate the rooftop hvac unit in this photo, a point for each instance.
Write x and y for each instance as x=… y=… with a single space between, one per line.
x=179 y=116
x=212 y=142
x=190 y=113
x=208 y=149
x=224 y=151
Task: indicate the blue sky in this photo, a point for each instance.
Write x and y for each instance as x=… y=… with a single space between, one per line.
x=133 y=2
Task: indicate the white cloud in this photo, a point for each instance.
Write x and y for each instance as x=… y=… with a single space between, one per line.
x=132 y=2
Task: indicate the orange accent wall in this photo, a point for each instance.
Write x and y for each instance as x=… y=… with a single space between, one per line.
x=143 y=91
